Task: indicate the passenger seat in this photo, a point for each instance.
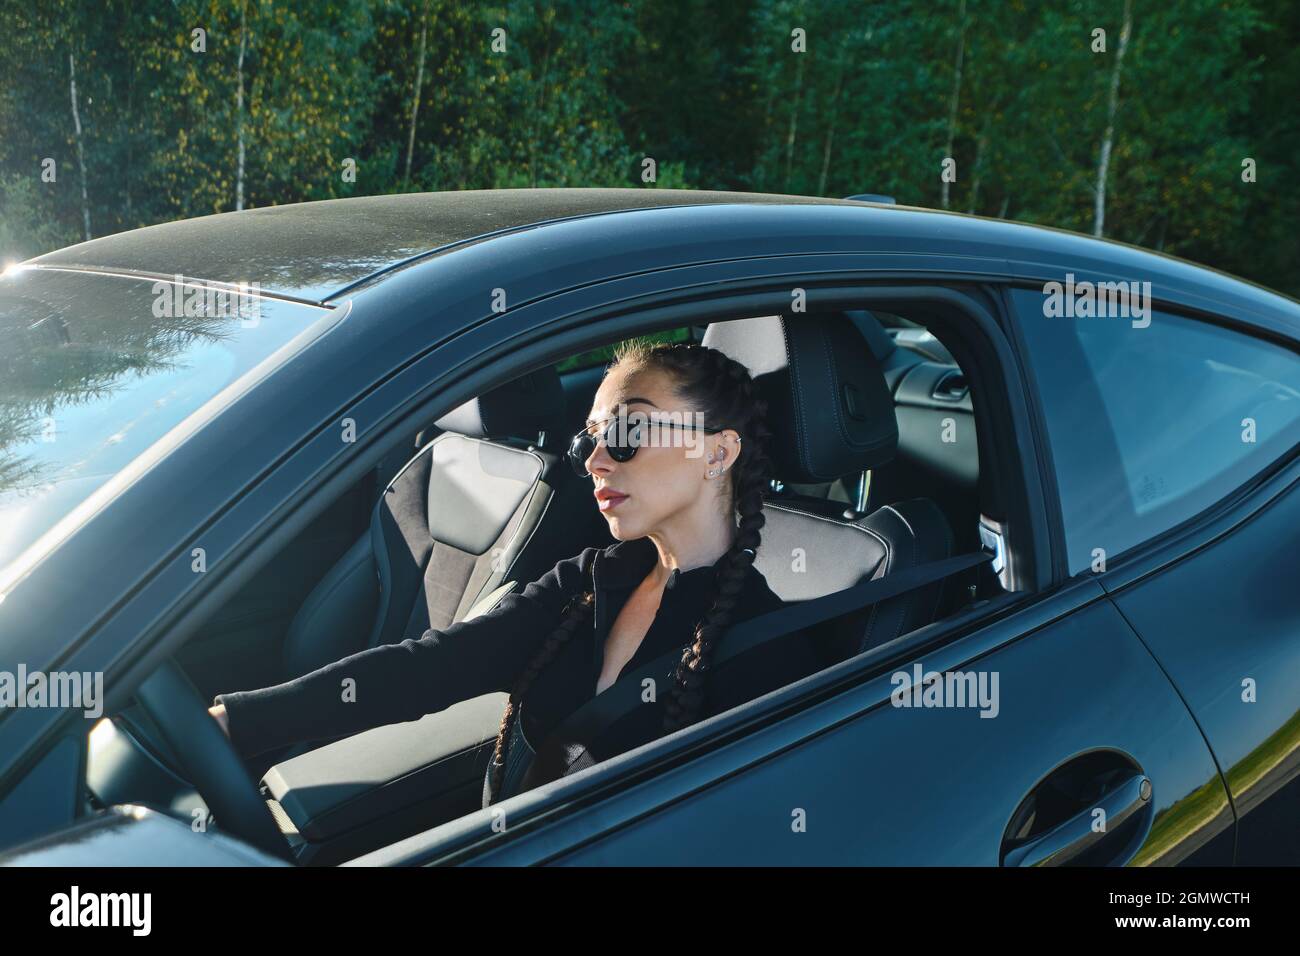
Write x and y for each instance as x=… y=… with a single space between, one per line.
x=833 y=416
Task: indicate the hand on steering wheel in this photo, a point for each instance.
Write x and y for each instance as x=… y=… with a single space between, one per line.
x=209 y=758
x=218 y=712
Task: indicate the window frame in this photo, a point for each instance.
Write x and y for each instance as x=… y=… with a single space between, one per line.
x=460 y=840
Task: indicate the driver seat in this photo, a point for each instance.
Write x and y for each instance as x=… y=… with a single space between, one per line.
x=481 y=508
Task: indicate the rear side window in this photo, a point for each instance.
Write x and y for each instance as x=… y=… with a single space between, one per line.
x=605 y=353
x=1152 y=424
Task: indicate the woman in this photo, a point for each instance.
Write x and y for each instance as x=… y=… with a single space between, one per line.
x=682 y=492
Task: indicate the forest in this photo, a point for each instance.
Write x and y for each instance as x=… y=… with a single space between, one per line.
x=1171 y=126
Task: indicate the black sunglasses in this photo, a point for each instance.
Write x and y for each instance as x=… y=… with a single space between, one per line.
x=584 y=443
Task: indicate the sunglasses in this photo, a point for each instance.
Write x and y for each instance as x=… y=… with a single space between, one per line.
x=633 y=437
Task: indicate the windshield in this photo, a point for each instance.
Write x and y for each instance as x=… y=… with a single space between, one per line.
x=95 y=368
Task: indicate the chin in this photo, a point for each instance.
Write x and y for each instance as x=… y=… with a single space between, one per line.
x=623 y=530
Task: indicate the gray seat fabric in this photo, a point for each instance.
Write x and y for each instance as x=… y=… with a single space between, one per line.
x=810 y=549
x=481 y=507
x=833 y=415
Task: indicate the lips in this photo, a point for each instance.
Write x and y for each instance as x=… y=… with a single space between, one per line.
x=607 y=499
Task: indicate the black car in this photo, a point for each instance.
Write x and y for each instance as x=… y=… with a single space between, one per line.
x=205 y=425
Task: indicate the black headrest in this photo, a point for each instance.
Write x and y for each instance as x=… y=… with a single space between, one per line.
x=828 y=403
x=518 y=409
x=878 y=340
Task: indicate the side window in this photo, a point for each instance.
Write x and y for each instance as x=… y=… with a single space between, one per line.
x=1151 y=424
x=602 y=355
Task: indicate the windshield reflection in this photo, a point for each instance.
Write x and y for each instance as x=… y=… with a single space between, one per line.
x=95 y=368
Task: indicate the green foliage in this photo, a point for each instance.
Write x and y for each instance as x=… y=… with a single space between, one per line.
x=25 y=228
x=523 y=93
x=602 y=355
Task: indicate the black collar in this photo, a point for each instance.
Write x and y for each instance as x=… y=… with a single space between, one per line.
x=625 y=564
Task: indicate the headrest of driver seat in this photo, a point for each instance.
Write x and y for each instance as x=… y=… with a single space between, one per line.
x=829 y=406
x=518 y=409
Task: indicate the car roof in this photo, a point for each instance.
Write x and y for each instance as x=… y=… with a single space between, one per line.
x=312 y=251
x=319 y=252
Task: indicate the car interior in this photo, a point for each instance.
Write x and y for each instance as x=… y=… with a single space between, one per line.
x=482 y=501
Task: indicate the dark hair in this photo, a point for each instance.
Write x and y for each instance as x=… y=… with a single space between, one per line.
x=722 y=390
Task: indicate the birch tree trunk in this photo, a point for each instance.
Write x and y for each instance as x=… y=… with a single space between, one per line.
x=956 y=98
x=130 y=145
x=239 y=105
x=830 y=128
x=762 y=167
x=81 y=152
x=415 y=102
x=977 y=170
x=794 y=120
x=1108 y=139
x=537 y=112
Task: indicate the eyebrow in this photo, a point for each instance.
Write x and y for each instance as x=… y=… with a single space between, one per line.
x=628 y=401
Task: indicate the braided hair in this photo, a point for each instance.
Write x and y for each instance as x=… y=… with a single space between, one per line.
x=722 y=390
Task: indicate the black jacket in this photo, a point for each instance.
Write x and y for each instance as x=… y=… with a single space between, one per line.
x=405 y=681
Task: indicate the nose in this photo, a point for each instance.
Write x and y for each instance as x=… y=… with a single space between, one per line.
x=599 y=462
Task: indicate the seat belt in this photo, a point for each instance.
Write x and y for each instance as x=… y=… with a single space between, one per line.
x=564 y=750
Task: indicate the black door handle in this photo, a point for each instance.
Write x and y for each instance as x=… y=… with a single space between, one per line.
x=1068 y=840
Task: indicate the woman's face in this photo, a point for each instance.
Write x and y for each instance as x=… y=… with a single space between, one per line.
x=665 y=486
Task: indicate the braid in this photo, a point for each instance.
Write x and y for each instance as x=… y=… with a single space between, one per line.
x=732 y=387
x=571 y=619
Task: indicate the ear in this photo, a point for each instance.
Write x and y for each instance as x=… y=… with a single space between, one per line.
x=730 y=443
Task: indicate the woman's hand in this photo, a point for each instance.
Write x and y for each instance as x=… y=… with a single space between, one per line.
x=218 y=712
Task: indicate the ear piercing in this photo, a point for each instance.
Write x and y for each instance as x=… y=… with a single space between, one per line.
x=722 y=453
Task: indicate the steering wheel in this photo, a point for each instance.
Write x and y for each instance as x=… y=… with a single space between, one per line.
x=209 y=758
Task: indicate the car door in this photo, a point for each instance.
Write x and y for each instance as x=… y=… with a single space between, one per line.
x=1185 y=432
x=1080 y=716
x=1225 y=623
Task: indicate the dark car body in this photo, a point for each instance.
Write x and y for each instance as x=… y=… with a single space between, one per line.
x=1135 y=669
